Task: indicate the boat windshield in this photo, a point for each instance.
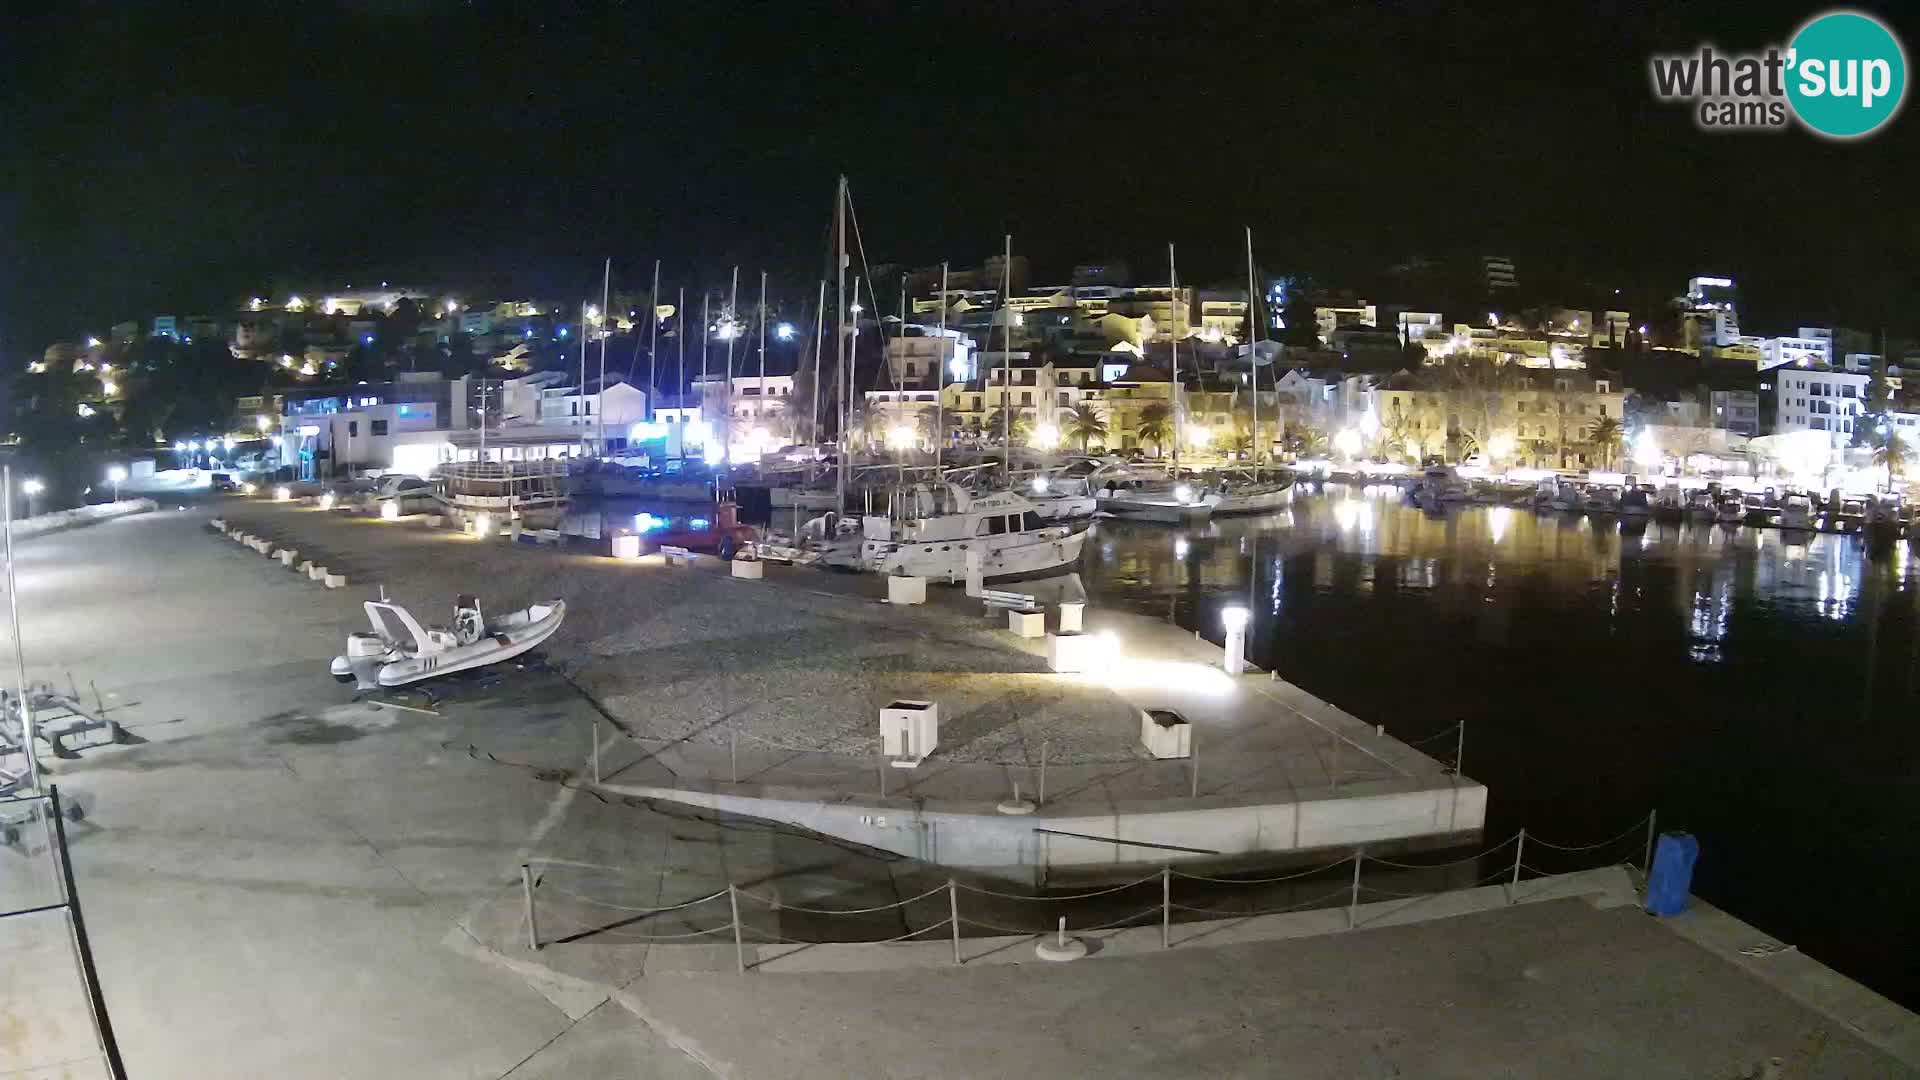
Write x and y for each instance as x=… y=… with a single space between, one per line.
x=394 y=629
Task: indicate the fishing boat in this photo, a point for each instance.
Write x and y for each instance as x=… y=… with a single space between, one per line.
x=938 y=528
x=1669 y=504
x=1851 y=515
x=1754 y=509
x=534 y=492
x=1602 y=499
x=1252 y=493
x=1886 y=518
x=1635 y=503
x=1732 y=510
x=1700 y=503
x=1566 y=497
x=400 y=651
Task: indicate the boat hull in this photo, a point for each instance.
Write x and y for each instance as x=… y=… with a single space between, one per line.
x=504 y=638
x=1041 y=553
x=1254 y=502
x=1157 y=510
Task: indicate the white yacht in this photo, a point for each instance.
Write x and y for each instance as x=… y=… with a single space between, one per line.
x=1796 y=511
x=1244 y=492
x=938 y=526
x=534 y=491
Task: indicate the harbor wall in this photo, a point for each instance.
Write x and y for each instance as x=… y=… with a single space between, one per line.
x=42 y=524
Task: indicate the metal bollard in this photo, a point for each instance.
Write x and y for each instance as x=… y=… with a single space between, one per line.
x=1166 y=907
x=739 y=950
x=1518 y=849
x=953 y=915
x=526 y=887
x=1353 y=898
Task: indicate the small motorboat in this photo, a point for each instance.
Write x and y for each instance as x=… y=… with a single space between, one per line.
x=400 y=651
x=1885 y=518
x=1700 y=503
x=1634 y=502
x=1851 y=515
x=1732 y=510
x=1796 y=512
x=1602 y=499
x=1670 y=504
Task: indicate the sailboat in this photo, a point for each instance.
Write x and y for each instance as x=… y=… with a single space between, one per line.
x=1250 y=491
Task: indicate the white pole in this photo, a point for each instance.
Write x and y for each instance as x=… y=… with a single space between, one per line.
x=899 y=359
x=706 y=320
x=582 y=390
x=19 y=649
x=653 y=329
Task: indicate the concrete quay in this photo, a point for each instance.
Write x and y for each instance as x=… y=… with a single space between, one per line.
x=279 y=882
x=761 y=698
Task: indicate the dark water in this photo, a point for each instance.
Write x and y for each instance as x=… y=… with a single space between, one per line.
x=1756 y=689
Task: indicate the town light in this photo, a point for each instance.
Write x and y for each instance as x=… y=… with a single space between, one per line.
x=179 y=445
x=1182 y=493
x=1646 y=449
x=117 y=473
x=784 y=331
x=32 y=486
x=1044 y=437
x=260 y=422
x=247 y=488
x=1500 y=445
x=482 y=523
x=227 y=443
x=900 y=437
x=1198 y=436
x=1347 y=442
x=1370 y=424
x=282 y=493
x=294 y=303
x=390 y=510
x=109 y=387
x=328 y=500
x=93 y=343
x=1039 y=485
x=856 y=309
x=194 y=446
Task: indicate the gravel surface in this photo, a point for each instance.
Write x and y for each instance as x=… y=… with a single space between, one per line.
x=802 y=661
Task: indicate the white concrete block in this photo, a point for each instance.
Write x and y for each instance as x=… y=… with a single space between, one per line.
x=316 y=573
x=1070 y=612
x=1166 y=734
x=218 y=524
x=750 y=569
x=305 y=567
x=1027 y=624
x=624 y=547
x=906 y=590
x=909 y=731
x=434 y=521
x=336 y=581
x=285 y=555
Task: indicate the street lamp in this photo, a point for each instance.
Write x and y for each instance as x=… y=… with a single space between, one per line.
x=784 y=331
x=260 y=422
x=114 y=475
x=1235 y=620
x=32 y=486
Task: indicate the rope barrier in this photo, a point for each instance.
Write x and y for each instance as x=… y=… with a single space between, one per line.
x=1317 y=901
x=1441 y=866
x=784 y=940
x=1632 y=830
x=1006 y=929
x=783 y=906
x=625 y=907
x=1154 y=910
x=1075 y=896
x=1268 y=880
x=642 y=939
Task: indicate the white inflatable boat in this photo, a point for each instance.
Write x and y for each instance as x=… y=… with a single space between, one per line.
x=401 y=651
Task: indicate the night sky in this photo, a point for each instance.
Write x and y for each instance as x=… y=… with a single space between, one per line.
x=174 y=159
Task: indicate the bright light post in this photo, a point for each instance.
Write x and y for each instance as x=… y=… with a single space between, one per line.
x=32 y=486
x=1235 y=619
x=114 y=475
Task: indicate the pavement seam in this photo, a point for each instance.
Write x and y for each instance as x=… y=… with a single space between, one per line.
x=672 y=1036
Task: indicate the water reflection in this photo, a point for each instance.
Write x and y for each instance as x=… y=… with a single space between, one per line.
x=1756 y=686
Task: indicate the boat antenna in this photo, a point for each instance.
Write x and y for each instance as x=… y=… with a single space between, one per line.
x=653 y=330
x=1253 y=352
x=840 y=336
x=1173 y=340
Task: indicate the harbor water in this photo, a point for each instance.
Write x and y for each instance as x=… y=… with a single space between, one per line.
x=1757 y=688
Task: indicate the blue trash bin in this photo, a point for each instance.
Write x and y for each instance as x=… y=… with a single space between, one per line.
x=1671 y=881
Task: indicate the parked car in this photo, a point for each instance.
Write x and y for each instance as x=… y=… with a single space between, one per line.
x=222 y=482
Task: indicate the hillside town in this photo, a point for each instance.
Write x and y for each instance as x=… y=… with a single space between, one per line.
x=404 y=378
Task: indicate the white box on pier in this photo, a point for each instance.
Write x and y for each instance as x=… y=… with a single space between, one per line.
x=909 y=732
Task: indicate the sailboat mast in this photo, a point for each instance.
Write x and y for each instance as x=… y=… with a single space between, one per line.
x=653 y=329
x=606 y=317
x=680 y=384
x=840 y=331
x=1173 y=340
x=582 y=390
x=1006 y=361
x=706 y=387
x=940 y=379
x=819 y=331
x=1253 y=353
x=760 y=410
x=733 y=330
x=898 y=363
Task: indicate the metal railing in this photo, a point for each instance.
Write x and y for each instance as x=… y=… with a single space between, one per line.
x=40 y=888
x=601 y=918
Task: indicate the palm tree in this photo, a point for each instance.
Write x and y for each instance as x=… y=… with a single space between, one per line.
x=1241 y=443
x=1893 y=455
x=1155 y=426
x=1016 y=426
x=1086 y=425
x=1605 y=433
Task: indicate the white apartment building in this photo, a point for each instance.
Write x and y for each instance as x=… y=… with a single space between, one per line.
x=1799 y=351
x=1815 y=399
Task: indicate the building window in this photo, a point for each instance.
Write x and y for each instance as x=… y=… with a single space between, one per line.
x=573 y=408
x=379 y=427
x=1026 y=397
x=353 y=428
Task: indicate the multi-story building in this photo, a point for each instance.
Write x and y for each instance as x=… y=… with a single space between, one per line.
x=1498 y=276
x=1802 y=351
x=1734 y=411
x=1818 y=399
x=1554 y=420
